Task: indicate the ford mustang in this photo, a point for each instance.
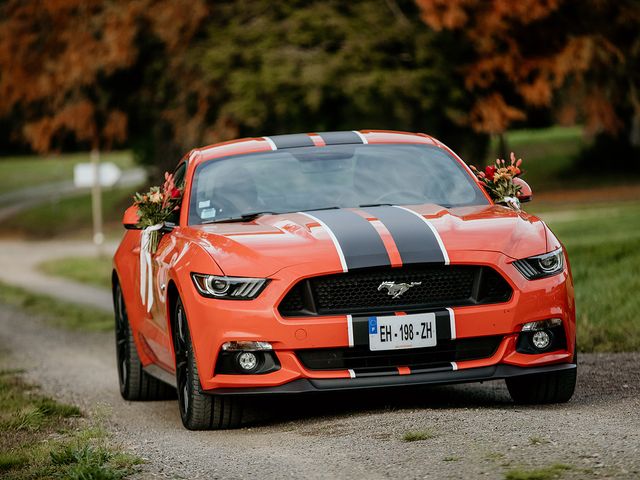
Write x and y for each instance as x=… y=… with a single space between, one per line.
x=339 y=261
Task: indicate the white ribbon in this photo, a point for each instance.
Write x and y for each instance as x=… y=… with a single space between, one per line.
x=146 y=268
x=513 y=202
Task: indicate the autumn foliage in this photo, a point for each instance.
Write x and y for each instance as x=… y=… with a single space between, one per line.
x=579 y=58
x=173 y=74
x=161 y=76
x=58 y=60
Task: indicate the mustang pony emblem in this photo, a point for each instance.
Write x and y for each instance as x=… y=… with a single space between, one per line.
x=396 y=289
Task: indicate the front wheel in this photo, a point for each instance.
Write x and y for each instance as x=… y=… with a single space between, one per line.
x=198 y=411
x=135 y=383
x=553 y=387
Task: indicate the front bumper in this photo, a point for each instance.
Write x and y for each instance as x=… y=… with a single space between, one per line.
x=437 y=377
x=213 y=322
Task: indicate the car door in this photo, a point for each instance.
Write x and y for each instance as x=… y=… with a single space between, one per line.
x=158 y=336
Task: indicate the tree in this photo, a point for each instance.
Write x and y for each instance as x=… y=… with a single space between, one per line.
x=578 y=58
x=61 y=61
x=171 y=75
x=276 y=67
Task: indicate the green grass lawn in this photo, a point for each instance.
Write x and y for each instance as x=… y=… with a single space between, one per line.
x=604 y=250
x=547 y=154
x=92 y=270
x=549 y=159
x=57 y=312
x=552 y=472
x=30 y=170
x=69 y=216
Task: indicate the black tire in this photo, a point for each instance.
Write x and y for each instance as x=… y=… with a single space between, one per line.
x=135 y=383
x=554 y=387
x=198 y=411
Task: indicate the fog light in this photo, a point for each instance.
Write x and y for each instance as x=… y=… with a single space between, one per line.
x=247 y=361
x=541 y=339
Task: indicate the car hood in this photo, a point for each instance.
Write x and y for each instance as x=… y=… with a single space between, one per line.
x=269 y=243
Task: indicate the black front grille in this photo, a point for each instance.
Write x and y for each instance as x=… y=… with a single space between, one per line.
x=358 y=292
x=361 y=358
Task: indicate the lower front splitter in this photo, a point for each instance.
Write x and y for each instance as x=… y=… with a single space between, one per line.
x=310 y=385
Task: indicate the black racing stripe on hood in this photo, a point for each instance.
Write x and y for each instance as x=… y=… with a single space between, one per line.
x=340 y=138
x=361 y=244
x=416 y=242
x=292 y=141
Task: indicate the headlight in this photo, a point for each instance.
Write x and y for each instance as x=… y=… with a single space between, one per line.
x=228 y=288
x=541 y=265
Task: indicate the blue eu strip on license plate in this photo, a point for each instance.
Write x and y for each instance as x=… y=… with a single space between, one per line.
x=373 y=325
x=403 y=331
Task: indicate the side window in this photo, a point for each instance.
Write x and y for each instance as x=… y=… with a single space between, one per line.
x=178 y=180
x=178 y=174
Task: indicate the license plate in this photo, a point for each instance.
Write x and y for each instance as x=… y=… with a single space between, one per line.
x=404 y=331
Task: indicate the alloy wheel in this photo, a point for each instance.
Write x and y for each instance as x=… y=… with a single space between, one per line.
x=122 y=339
x=183 y=377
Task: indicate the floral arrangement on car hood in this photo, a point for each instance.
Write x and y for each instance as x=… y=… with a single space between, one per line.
x=498 y=181
x=155 y=207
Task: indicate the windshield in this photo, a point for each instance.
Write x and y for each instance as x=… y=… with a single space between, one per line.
x=311 y=178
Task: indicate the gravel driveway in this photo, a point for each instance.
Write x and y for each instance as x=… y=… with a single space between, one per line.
x=475 y=431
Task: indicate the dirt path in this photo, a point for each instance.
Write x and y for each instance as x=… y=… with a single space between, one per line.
x=477 y=432
x=19 y=262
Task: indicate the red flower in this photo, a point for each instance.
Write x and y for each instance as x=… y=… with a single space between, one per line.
x=176 y=193
x=490 y=172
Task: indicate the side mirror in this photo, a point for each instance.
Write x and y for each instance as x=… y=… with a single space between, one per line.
x=525 y=194
x=130 y=218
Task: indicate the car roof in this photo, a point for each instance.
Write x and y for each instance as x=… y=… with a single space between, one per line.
x=318 y=139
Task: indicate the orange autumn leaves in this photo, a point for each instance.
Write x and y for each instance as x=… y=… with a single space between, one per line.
x=58 y=59
x=575 y=59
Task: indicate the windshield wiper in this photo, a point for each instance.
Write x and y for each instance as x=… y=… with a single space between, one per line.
x=245 y=217
x=334 y=207
x=443 y=205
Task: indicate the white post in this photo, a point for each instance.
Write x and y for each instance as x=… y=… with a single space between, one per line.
x=96 y=201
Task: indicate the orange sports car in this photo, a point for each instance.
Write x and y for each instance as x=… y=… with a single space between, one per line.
x=338 y=261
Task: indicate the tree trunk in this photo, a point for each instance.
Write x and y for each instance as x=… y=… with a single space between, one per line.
x=96 y=201
x=634 y=134
x=502 y=146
